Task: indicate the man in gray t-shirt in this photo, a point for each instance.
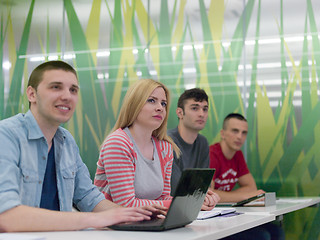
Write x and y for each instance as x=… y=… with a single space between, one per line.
x=192 y=112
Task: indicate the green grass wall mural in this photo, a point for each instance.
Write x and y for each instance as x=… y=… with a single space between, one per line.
x=282 y=144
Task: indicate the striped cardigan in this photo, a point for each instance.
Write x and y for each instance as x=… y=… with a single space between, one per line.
x=116 y=169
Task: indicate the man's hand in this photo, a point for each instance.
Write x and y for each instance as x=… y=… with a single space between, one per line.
x=210 y=201
x=255 y=193
x=118 y=215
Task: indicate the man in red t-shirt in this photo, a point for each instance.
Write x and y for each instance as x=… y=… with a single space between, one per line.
x=231 y=169
x=227 y=158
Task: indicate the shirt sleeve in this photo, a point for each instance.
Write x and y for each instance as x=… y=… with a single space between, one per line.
x=205 y=151
x=10 y=174
x=167 y=154
x=86 y=195
x=116 y=165
x=242 y=165
x=214 y=160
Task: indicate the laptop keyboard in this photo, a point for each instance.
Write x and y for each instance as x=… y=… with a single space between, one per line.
x=152 y=222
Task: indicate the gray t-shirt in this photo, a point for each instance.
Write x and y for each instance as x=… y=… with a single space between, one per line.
x=148 y=180
x=194 y=155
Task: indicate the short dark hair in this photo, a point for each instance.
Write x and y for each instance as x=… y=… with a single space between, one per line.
x=37 y=74
x=196 y=94
x=233 y=115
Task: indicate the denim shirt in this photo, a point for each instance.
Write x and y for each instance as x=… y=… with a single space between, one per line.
x=23 y=160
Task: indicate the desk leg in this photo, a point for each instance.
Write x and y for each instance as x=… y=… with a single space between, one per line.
x=279 y=218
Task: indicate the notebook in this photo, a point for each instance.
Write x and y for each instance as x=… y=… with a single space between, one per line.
x=185 y=206
x=217 y=211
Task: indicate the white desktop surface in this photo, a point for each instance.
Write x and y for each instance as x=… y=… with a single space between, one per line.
x=283 y=205
x=213 y=228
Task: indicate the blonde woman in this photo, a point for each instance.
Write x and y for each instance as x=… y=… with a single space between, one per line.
x=135 y=162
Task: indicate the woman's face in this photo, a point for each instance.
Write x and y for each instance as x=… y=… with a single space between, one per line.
x=154 y=110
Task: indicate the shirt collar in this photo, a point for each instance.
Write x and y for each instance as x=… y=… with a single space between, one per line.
x=34 y=131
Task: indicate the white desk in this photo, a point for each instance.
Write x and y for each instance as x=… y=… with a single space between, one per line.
x=213 y=228
x=202 y=229
x=283 y=206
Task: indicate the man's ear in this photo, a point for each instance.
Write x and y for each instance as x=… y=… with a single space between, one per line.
x=179 y=112
x=31 y=94
x=222 y=134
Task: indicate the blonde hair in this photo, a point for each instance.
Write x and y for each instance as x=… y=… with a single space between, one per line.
x=134 y=100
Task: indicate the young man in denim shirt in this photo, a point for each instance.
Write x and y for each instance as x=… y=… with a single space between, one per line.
x=41 y=171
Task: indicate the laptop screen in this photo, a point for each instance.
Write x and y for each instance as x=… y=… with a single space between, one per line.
x=189 y=195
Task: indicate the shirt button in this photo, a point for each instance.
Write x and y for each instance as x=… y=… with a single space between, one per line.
x=40 y=182
x=43 y=158
x=27 y=177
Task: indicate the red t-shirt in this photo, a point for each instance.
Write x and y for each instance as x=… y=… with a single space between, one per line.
x=227 y=171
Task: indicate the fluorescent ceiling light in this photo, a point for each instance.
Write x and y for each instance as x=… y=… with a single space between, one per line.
x=189 y=70
x=190 y=85
x=268 y=41
x=153 y=72
x=274 y=104
x=37 y=59
x=103 y=54
x=268 y=65
x=69 y=56
x=241 y=67
x=226 y=44
x=53 y=57
x=6 y=65
x=100 y=76
x=187 y=47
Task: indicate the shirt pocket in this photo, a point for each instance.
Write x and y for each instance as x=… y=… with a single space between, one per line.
x=68 y=185
x=31 y=188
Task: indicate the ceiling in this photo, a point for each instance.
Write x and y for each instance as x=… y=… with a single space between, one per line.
x=294 y=15
x=294 y=12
